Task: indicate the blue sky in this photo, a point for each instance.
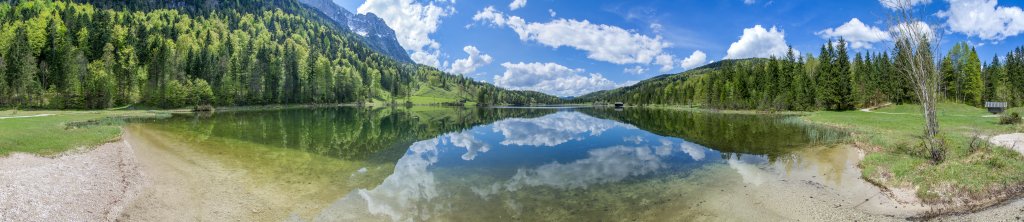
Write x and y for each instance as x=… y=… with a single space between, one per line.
x=570 y=48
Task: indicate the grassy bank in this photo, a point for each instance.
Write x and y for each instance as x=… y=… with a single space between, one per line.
x=978 y=175
x=53 y=132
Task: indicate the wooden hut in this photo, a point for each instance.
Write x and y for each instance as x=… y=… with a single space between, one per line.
x=995 y=107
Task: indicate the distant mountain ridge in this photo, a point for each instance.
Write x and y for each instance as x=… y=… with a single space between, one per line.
x=372 y=30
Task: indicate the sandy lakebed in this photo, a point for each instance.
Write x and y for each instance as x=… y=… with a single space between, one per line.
x=150 y=178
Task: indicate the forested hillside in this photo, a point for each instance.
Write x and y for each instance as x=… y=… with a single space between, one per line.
x=102 y=53
x=829 y=81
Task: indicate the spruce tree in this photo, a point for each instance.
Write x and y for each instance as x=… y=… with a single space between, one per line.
x=973 y=85
x=824 y=77
x=842 y=77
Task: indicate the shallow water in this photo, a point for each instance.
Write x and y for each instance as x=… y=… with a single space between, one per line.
x=440 y=164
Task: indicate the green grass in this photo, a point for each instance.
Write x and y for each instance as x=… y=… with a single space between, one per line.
x=897 y=157
x=429 y=95
x=50 y=135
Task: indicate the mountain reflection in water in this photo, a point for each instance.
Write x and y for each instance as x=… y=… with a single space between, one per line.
x=569 y=164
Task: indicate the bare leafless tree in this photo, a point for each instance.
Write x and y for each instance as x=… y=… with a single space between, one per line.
x=916 y=43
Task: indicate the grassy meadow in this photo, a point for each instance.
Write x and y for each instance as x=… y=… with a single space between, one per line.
x=52 y=132
x=896 y=157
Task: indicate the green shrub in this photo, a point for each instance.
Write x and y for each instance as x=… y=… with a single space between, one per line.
x=1012 y=118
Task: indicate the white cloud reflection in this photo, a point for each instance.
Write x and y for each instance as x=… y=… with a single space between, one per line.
x=467 y=140
x=552 y=130
x=414 y=193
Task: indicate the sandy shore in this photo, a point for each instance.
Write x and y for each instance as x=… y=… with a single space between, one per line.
x=92 y=185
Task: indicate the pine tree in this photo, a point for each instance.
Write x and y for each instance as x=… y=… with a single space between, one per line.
x=824 y=77
x=994 y=76
x=21 y=66
x=843 y=77
x=949 y=77
x=973 y=84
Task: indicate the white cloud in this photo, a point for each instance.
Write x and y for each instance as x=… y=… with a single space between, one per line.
x=749 y=2
x=984 y=19
x=627 y=83
x=550 y=78
x=636 y=70
x=413 y=23
x=666 y=61
x=601 y=42
x=897 y=4
x=429 y=58
x=471 y=63
x=696 y=59
x=859 y=35
x=657 y=27
x=921 y=27
x=516 y=4
x=552 y=12
x=758 y=42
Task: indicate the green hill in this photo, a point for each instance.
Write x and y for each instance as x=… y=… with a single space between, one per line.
x=104 y=53
x=652 y=91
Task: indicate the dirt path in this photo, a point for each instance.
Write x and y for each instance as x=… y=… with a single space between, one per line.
x=16 y=117
x=93 y=185
x=1013 y=141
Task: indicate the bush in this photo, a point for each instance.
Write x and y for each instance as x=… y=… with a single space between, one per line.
x=203 y=108
x=1012 y=118
x=176 y=95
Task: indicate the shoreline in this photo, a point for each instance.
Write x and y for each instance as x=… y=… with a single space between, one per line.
x=1006 y=196
x=141 y=190
x=133 y=180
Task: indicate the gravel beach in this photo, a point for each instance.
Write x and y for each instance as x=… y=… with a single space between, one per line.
x=83 y=185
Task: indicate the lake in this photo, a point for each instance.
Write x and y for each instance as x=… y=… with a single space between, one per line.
x=476 y=164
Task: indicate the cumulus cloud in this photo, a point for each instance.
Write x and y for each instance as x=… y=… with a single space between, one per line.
x=636 y=70
x=859 y=35
x=758 y=42
x=413 y=23
x=550 y=78
x=666 y=61
x=919 y=26
x=984 y=19
x=601 y=42
x=516 y=4
x=471 y=63
x=552 y=12
x=749 y=2
x=696 y=59
x=897 y=4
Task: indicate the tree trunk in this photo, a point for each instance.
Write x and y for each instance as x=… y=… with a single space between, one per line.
x=931 y=131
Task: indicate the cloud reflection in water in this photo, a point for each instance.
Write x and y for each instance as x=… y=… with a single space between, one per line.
x=413 y=192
